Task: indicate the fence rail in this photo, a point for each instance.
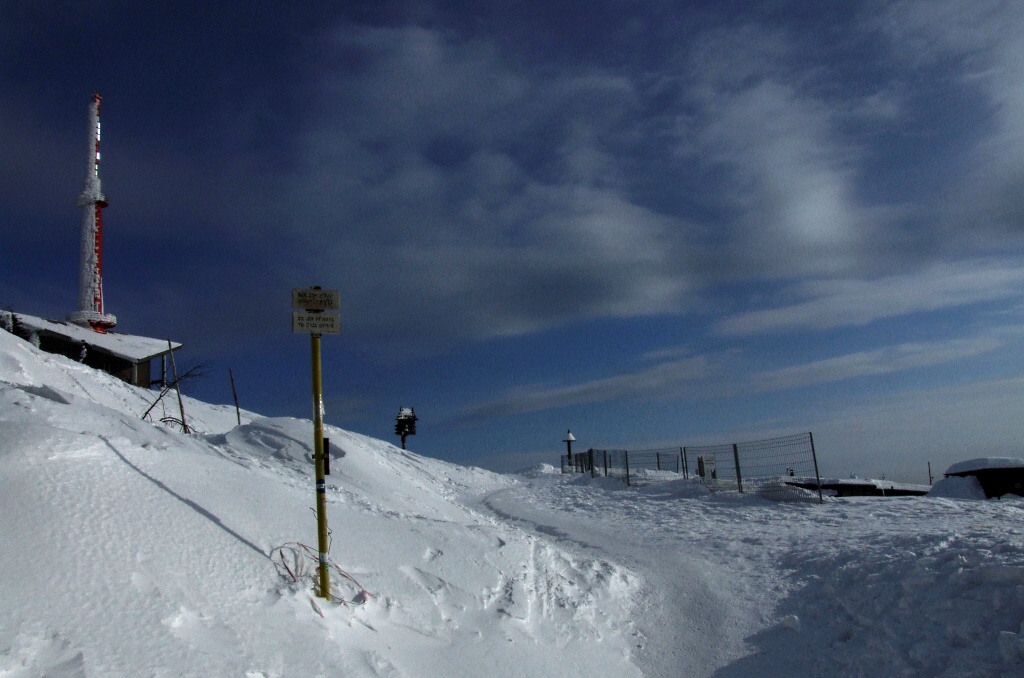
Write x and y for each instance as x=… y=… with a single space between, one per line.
x=769 y=467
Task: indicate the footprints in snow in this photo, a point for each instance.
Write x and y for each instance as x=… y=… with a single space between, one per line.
x=200 y=632
x=38 y=653
x=550 y=594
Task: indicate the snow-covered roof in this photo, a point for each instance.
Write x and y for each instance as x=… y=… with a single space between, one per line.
x=982 y=463
x=127 y=346
x=871 y=482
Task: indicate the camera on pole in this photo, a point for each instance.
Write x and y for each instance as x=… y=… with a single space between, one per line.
x=405 y=423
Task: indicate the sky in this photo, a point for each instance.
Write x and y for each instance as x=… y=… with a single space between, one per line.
x=652 y=223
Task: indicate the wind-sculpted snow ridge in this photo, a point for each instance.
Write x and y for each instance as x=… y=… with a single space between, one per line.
x=131 y=549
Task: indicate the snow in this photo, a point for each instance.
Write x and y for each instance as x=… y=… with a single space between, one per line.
x=984 y=463
x=130 y=549
x=957 y=487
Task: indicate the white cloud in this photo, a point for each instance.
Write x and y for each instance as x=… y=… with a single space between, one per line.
x=651 y=382
x=979 y=46
x=773 y=127
x=722 y=375
x=789 y=170
x=881 y=361
x=858 y=301
x=485 y=191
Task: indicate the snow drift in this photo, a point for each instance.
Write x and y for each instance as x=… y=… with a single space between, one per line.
x=130 y=549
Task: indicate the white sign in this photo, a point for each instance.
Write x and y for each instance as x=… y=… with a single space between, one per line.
x=313 y=299
x=316 y=323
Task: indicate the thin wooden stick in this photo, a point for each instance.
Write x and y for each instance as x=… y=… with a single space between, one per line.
x=177 y=387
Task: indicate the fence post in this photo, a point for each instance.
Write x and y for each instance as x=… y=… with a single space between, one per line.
x=657 y=460
x=590 y=452
x=736 y=458
x=686 y=464
x=605 y=463
x=625 y=455
x=817 y=477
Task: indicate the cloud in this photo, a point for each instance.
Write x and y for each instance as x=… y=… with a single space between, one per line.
x=457 y=185
x=851 y=302
x=657 y=381
x=976 y=46
x=787 y=167
x=474 y=194
x=496 y=197
x=722 y=375
x=881 y=361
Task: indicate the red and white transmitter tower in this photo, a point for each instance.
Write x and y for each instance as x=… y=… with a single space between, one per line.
x=92 y=201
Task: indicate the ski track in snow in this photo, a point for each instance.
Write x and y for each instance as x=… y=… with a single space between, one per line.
x=129 y=549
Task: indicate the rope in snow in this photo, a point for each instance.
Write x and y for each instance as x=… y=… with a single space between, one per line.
x=297 y=562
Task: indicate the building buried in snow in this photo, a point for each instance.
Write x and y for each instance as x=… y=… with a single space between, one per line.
x=996 y=476
x=125 y=356
x=86 y=336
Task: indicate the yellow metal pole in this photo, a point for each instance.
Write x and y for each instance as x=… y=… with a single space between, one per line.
x=318 y=459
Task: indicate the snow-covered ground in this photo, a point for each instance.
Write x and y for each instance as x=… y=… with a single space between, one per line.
x=130 y=549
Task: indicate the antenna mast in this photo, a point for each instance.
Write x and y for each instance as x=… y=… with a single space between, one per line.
x=92 y=201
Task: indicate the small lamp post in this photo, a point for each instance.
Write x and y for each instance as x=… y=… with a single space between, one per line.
x=568 y=440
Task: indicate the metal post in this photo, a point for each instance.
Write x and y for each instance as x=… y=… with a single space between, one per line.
x=318 y=460
x=605 y=463
x=657 y=460
x=736 y=458
x=686 y=464
x=625 y=454
x=817 y=477
x=590 y=453
x=238 y=412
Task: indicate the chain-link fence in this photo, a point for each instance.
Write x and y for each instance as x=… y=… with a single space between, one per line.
x=770 y=467
x=626 y=464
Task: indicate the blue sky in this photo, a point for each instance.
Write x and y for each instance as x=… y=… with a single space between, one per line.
x=654 y=223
